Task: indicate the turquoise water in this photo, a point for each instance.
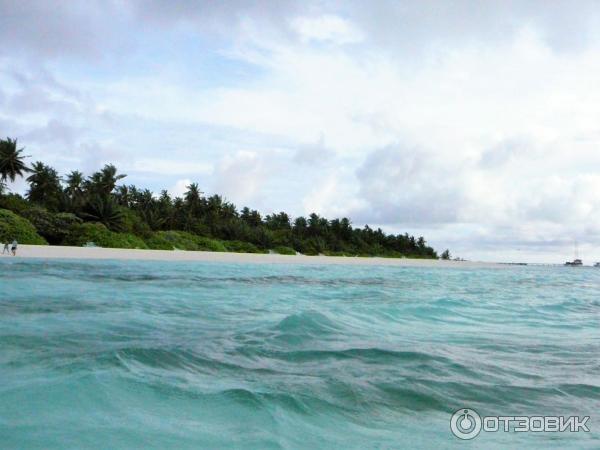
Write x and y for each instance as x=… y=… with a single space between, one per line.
x=199 y=355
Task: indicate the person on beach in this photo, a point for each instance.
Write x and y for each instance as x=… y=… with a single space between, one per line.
x=5 y=249
x=14 y=247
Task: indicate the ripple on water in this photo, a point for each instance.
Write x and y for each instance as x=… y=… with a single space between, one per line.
x=112 y=354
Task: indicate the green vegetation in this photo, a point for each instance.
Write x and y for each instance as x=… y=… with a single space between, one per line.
x=54 y=227
x=181 y=240
x=75 y=209
x=283 y=250
x=11 y=161
x=13 y=226
x=81 y=234
x=242 y=247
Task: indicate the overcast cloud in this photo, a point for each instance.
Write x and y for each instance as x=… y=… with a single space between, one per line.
x=475 y=124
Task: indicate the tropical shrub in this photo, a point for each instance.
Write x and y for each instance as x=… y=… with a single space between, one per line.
x=241 y=247
x=210 y=245
x=95 y=232
x=14 y=203
x=158 y=242
x=105 y=211
x=53 y=227
x=179 y=240
x=133 y=223
x=13 y=226
x=282 y=250
x=333 y=253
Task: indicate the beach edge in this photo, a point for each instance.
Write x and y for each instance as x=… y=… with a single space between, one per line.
x=97 y=253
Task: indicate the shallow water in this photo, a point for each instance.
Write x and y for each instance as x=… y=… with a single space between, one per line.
x=202 y=355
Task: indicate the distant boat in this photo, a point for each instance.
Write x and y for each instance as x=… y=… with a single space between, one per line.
x=576 y=262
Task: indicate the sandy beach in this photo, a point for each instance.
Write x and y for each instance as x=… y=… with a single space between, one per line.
x=63 y=252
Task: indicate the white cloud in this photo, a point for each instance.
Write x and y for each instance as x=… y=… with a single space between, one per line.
x=163 y=167
x=180 y=187
x=476 y=127
x=328 y=28
x=240 y=176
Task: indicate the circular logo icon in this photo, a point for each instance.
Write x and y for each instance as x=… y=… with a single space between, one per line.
x=465 y=423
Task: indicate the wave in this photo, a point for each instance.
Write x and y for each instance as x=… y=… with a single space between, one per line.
x=213 y=356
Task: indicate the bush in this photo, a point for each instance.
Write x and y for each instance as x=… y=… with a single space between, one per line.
x=97 y=233
x=53 y=227
x=210 y=245
x=312 y=246
x=282 y=250
x=333 y=253
x=19 y=228
x=181 y=240
x=241 y=247
x=392 y=254
x=133 y=223
x=14 y=203
x=159 y=242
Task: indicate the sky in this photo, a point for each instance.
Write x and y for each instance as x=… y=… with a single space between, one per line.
x=475 y=124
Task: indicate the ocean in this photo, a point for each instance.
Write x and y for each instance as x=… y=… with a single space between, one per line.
x=155 y=355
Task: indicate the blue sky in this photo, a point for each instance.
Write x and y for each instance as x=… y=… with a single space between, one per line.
x=475 y=124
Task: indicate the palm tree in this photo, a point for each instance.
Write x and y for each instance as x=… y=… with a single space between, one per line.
x=11 y=160
x=44 y=186
x=106 y=211
x=123 y=196
x=110 y=177
x=74 y=184
x=153 y=218
x=74 y=190
x=144 y=199
x=193 y=198
x=103 y=183
x=251 y=217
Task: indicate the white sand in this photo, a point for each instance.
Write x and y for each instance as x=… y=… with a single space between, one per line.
x=52 y=252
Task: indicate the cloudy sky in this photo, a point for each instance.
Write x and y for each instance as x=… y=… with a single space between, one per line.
x=475 y=124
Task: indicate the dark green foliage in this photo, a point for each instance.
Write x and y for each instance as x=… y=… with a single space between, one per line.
x=14 y=203
x=242 y=247
x=446 y=255
x=13 y=226
x=11 y=160
x=44 y=187
x=54 y=227
x=74 y=194
x=133 y=223
x=106 y=211
x=334 y=253
x=81 y=234
x=137 y=217
x=103 y=183
x=182 y=240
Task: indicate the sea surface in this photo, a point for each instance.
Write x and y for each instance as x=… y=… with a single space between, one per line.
x=116 y=355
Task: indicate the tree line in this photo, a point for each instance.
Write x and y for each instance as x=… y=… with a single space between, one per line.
x=71 y=208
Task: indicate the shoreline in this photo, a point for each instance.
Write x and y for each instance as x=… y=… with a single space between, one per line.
x=98 y=253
